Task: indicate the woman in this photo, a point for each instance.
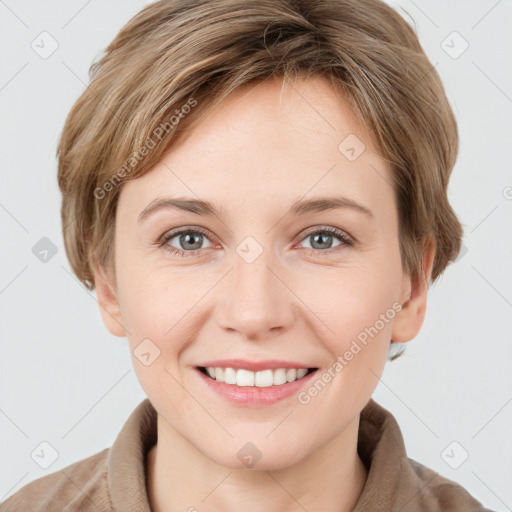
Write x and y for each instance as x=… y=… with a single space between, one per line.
x=257 y=192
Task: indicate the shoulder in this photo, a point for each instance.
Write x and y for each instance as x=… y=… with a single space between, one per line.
x=79 y=486
x=438 y=493
x=396 y=480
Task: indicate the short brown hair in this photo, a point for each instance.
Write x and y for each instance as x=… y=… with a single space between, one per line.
x=177 y=52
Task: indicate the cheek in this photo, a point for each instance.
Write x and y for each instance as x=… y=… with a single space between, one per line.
x=165 y=308
x=356 y=312
x=349 y=302
x=157 y=302
x=158 y=307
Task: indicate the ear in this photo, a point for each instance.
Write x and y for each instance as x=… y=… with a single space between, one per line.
x=108 y=302
x=409 y=320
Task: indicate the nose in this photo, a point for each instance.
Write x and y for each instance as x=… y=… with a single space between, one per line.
x=257 y=301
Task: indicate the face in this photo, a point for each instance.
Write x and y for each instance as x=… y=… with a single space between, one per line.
x=261 y=282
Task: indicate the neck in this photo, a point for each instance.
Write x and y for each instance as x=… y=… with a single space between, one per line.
x=181 y=478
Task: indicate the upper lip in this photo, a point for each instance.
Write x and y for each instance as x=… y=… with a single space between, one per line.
x=254 y=366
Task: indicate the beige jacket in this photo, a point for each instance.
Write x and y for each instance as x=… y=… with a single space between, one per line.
x=115 y=480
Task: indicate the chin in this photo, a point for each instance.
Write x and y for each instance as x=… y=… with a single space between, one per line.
x=264 y=455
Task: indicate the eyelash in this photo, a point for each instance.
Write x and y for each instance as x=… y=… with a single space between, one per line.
x=345 y=240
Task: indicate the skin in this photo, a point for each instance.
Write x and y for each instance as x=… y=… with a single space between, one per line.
x=263 y=148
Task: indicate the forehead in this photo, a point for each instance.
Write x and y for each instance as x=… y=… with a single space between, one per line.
x=269 y=144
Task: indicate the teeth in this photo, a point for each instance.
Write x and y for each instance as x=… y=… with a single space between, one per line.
x=219 y=375
x=261 y=379
x=243 y=377
x=301 y=373
x=229 y=376
x=291 y=374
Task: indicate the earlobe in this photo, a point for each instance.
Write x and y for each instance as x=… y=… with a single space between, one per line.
x=109 y=307
x=409 y=320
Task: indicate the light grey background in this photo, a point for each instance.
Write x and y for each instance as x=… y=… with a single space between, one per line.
x=65 y=380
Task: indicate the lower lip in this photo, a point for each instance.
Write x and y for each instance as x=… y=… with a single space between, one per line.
x=252 y=396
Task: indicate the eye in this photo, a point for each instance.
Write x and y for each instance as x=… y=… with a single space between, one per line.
x=322 y=240
x=189 y=241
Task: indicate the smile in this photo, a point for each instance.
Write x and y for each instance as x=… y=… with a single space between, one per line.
x=262 y=379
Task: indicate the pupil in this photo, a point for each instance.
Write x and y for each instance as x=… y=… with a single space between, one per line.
x=324 y=238
x=186 y=239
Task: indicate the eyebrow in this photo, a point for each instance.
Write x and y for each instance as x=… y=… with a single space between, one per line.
x=299 y=208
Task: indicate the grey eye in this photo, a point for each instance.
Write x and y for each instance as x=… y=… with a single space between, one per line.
x=322 y=240
x=188 y=240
